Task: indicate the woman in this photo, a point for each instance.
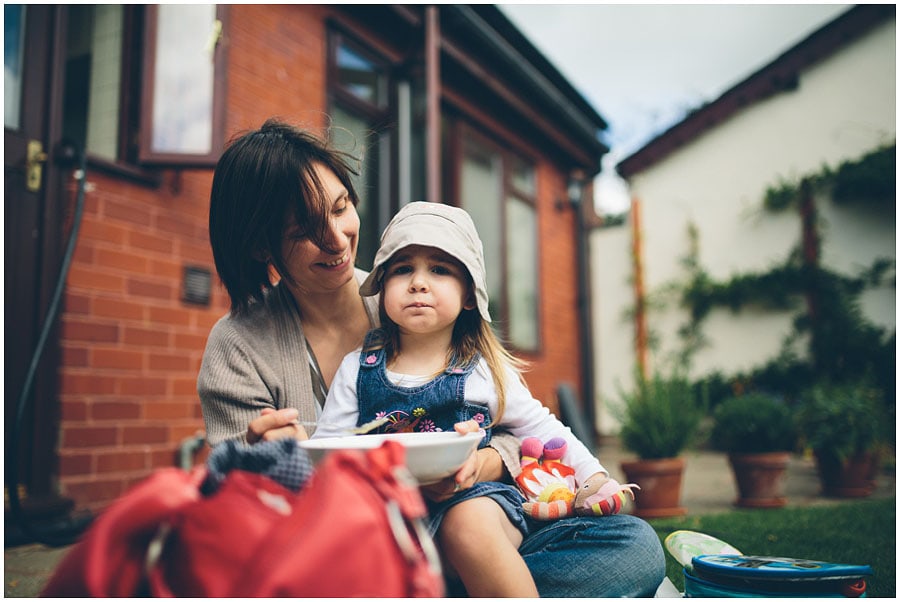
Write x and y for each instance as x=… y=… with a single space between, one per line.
x=283 y=205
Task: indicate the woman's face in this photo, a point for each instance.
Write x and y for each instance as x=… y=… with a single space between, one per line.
x=312 y=268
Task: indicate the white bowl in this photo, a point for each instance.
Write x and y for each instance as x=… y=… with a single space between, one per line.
x=429 y=456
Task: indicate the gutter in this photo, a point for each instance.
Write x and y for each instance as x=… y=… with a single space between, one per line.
x=586 y=127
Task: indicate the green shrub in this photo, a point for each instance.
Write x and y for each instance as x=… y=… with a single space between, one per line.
x=839 y=421
x=660 y=417
x=753 y=423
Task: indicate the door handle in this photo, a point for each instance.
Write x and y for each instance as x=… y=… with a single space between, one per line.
x=34 y=165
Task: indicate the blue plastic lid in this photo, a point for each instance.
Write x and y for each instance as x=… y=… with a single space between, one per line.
x=771 y=568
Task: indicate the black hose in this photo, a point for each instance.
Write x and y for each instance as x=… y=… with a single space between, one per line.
x=54 y=539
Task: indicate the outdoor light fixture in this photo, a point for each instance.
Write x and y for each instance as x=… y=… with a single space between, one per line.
x=574 y=190
x=576 y=187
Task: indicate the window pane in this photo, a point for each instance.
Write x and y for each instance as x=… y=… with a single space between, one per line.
x=106 y=70
x=13 y=39
x=183 y=79
x=481 y=187
x=359 y=76
x=522 y=176
x=350 y=133
x=93 y=78
x=522 y=282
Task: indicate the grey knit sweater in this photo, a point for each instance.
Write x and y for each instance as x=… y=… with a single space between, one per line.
x=259 y=360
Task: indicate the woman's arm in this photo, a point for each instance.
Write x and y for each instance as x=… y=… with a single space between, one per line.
x=235 y=386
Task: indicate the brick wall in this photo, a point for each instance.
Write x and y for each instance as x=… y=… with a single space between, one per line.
x=131 y=347
x=559 y=360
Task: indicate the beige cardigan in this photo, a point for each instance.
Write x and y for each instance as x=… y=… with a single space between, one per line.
x=259 y=360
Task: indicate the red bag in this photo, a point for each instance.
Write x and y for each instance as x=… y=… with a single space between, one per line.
x=354 y=530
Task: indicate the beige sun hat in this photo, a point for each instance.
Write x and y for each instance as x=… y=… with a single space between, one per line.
x=443 y=227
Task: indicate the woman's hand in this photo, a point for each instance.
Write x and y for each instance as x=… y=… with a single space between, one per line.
x=276 y=424
x=482 y=465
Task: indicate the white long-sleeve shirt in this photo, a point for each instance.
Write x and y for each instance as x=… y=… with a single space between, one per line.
x=523 y=416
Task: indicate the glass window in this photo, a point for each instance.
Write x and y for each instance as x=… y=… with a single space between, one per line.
x=350 y=133
x=360 y=109
x=507 y=224
x=121 y=115
x=359 y=76
x=522 y=273
x=13 y=39
x=522 y=176
x=93 y=78
x=183 y=119
x=183 y=79
x=481 y=186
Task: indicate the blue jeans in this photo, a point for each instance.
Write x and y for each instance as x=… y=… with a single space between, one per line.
x=595 y=557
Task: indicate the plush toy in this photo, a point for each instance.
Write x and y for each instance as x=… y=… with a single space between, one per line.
x=550 y=488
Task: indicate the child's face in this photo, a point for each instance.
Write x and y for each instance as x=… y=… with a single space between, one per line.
x=425 y=289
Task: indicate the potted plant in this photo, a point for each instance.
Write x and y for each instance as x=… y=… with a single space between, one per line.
x=757 y=432
x=659 y=419
x=844 y=425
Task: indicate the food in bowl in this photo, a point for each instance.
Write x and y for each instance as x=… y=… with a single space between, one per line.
x=430 y=457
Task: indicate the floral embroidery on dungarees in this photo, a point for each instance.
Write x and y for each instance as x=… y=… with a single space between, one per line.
x=401 y=422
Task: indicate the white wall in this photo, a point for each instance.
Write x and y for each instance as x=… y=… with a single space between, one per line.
x=843 y=108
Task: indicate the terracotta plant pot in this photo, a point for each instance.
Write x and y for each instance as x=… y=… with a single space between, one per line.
x=852 y=478
x=660 y=486
x=760 y=479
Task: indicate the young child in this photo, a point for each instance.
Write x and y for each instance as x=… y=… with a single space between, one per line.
x=436 y=362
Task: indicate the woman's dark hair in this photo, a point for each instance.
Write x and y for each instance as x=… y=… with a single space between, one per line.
x=262 y=178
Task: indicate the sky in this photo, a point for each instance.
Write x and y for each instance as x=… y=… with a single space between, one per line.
x=643 y=67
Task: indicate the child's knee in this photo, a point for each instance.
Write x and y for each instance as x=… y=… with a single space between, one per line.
x=471 y=523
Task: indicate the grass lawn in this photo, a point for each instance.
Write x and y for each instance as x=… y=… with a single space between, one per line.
x=858 y=532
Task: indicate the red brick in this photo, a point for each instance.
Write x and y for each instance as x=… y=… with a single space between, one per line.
x=168 y=315
x=171 y=270
x=186 y=431
x=89 y=436
x=119 y=259
x=115 y=410
x=122 y=309
x=92 y=279
x=76 y=304
x=135 y=435
x=164 y=458
x=184 y=386
x=160 y=410
x=170 y=361
x=150 y=241
x=127 y=212
x=177 y=226
x=80 y=330
x=117 y=359
x=145 y=337
x=87 y=384
x=142 y=385
x=122 y=461
x=75 y=357
x=155 y=290
x=76 y=464
x=93 y=229
x=73 y=411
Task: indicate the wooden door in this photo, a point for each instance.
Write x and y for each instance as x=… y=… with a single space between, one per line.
x=31 y=242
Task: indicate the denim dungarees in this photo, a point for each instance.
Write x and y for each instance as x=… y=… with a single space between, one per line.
x=434 y=406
